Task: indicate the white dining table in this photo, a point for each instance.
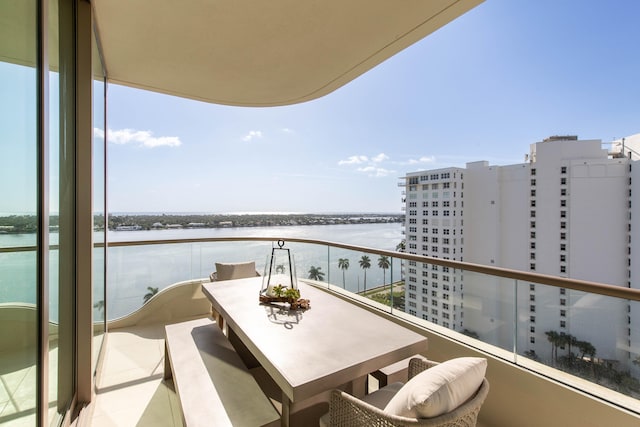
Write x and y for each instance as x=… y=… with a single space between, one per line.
x=307 y=352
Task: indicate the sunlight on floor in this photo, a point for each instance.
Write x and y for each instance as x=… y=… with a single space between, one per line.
x=18 y=387
x=130 y=390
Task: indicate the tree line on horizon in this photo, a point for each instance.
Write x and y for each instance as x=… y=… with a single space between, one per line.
x=29 y=223
x=148 y=222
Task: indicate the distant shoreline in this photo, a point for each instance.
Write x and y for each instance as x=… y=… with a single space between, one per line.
x=17 y=224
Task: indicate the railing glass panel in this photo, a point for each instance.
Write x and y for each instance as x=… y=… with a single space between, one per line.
x=135 y=273
x=583 y=334
x=536 y=325
x=481 y=306
x=521 y=321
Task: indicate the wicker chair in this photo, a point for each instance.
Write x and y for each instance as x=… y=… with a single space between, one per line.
x=346 y=410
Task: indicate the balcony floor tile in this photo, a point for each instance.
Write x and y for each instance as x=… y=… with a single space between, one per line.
x=130 y=389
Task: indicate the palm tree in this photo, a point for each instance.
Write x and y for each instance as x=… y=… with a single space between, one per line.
x=564 y=339
x=316 y=274
x=343 y=264
x=554 y=338
x=587 y=349
x=384 y=264
x=365 y=262
x=570 y=340
x=280 y=268
x=150 y=294
x=99 y=305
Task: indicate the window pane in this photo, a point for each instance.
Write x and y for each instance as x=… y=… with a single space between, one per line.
x=59 y=346
x=18 y=205
x=99 y=258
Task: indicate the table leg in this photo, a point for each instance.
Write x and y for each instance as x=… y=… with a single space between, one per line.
x=358 y=386
x=219 y=320
x=286 y=411
x=167 y=364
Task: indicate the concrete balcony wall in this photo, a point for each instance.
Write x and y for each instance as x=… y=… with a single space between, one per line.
x=176 y=303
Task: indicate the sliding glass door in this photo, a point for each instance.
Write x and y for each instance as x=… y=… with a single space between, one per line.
x=42 y=179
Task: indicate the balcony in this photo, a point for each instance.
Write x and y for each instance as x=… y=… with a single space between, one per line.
x=556 y=384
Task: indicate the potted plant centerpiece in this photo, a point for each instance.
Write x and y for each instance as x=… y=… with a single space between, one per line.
x=279 y=283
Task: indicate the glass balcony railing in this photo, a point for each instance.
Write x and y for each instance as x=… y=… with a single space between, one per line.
x=575 y=332
x=134 y=267
x=536 y=321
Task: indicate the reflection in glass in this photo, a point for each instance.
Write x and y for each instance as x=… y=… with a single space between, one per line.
x=18 y=219
x=58 y=396
x=99 y=204
x=584 y=334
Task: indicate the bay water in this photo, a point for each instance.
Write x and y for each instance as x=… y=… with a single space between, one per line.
x=134 y=271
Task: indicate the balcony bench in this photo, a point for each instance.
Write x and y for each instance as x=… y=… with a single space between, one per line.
x=213 y=386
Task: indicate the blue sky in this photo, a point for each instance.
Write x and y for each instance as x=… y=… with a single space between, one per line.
x=506 y=74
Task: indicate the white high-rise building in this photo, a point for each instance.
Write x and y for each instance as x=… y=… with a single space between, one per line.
x=434 y=224
x=566 y=211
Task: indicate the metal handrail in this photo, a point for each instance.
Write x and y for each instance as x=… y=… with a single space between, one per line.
x=549 y=280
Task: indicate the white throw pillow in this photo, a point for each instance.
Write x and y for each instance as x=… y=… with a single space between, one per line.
x=440 y=389
x=235 y=271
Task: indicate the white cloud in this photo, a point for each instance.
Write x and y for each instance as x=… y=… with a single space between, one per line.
x=370 y=165
x=98 y=133
x=380 y=158
x=288 y=130
x=354 y=160
x=366 y=169
x=375 y=172
x=144 y=138
x=427 y=159
x=251 y=135
x=423 y=159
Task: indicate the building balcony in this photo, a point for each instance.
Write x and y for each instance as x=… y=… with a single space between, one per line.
x=535 y=380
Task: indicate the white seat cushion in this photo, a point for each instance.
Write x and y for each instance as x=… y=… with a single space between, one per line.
x=439 y=389
x=381 y=398
x=239 y=270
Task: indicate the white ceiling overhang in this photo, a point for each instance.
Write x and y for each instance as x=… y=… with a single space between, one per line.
x=259 y=52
